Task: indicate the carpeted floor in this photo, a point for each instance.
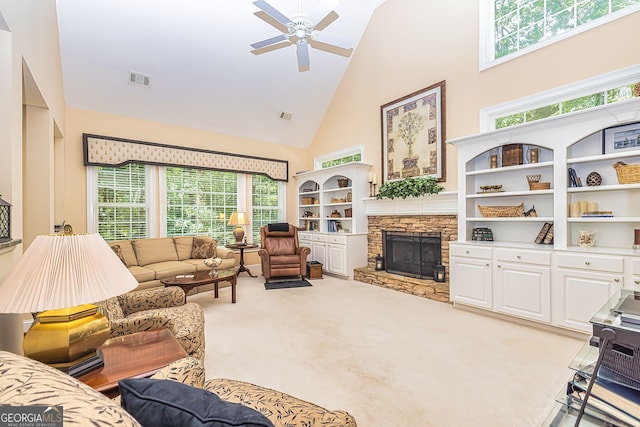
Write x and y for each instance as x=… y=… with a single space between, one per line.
x=389 y=358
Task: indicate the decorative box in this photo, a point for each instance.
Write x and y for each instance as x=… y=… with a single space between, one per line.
x=512 y=154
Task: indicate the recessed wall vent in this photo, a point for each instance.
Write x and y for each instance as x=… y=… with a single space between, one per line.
x=139 y=79
x=286 y=116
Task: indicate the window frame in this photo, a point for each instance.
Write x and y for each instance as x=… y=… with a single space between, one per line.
x=282 y=205
x=486 y=34
x=335 y=155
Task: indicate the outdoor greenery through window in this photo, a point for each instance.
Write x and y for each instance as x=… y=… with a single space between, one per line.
x=519 y=24
x=342 y=160
x=121 y=202
x=201 y=202
x=591 y=100
x=265 y=202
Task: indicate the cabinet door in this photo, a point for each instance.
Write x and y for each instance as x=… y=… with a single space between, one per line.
x=471 y=281
x=318 y=252
x=578 y=295
x=523 y=290
x=336 y=259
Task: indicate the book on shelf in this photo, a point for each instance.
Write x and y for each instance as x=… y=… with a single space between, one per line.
x=548 y=238
x=597 y=214
x=615 y=398
x=574 y=180
x=543 y=232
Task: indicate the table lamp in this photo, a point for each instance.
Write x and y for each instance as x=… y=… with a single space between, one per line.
x=238 y=219
x=58 y=277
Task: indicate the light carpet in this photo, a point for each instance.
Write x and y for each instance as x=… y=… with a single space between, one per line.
x=388 y=358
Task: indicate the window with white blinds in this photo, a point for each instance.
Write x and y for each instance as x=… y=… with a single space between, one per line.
x=200 y=201
x=122 y=202
x=266 y=204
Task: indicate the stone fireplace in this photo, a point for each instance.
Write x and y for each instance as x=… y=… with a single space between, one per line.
x=429 y=215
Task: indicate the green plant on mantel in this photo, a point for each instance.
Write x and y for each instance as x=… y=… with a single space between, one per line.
x=415 y=186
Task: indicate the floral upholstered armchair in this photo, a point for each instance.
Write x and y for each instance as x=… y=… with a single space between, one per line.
x=154 y=309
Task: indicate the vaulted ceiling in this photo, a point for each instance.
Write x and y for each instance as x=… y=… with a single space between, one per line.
x=202 y=73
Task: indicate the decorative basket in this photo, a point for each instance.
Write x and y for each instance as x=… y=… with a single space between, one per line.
x=335 y=200
x=343 y=182
x=308 y=200
x=627 y=174
x=539 y=185
x=501 y=211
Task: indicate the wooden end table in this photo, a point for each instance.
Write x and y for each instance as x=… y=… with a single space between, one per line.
x=138 y=355
x=189 y=281
x=241 y=248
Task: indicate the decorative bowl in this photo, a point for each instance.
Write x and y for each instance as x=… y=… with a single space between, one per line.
x=213 y=263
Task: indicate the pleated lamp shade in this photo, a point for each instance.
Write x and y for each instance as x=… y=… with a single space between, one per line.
x=60 y=271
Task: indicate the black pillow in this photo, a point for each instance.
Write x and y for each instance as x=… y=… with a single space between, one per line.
x=279 y=226
x=157 y=403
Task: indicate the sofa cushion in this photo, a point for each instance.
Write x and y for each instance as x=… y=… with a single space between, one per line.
x=152 y=250
x=203 y=248
x=159 y=403
x=142 y=274
x=183 y=246
x=126 y=249
x=167 y=269
x=27 y=382
x=116 y=249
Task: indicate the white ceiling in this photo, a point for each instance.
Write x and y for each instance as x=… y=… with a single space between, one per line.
x=203 y=75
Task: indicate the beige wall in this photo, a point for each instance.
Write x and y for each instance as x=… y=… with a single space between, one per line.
x=29 y=48
x=412 y=44
x=79 y=121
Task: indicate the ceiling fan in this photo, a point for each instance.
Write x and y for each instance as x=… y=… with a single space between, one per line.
x=299 y=31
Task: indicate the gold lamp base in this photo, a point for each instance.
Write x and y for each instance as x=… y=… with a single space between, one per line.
x=67 y=338
x=238 y=233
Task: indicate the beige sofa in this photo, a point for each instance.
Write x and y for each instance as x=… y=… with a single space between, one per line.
x=151 y=260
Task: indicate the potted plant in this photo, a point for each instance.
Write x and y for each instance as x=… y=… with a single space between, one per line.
x=415 y=186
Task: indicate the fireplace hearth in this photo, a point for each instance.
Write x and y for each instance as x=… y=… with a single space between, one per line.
x=411 y=254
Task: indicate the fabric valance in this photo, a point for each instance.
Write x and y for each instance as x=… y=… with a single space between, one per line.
x=109 y=151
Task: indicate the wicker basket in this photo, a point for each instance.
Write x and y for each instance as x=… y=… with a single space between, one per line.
x=308 y=200
x=627 y=174
x=539 y=185
x=501 y=211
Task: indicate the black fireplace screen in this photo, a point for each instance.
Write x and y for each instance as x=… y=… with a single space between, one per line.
x=411 y=254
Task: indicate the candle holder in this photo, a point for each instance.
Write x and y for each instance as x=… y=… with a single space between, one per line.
x=371 y=189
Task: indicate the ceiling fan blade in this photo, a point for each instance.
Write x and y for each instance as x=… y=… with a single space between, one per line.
x=331 y=44
x=271 y=48
x=267 y=42
x=324 y=22
x=303 y=55
x=271 y=21
x=271 y=11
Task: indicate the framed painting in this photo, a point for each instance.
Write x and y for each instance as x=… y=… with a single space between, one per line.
x=413 y=135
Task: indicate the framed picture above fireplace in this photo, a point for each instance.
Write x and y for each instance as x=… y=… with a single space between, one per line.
x=413 y=135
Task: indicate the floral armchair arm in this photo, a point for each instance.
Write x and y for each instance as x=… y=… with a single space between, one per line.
x=135 y=324
x=150 y=299
x=187 y=370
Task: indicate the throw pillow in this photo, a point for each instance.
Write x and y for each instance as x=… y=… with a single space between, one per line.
x=203 y=248
x=118 y=251
x=161 y=403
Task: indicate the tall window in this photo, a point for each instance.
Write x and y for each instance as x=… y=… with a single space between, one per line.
x=122 y=202
x=200 y=202
x=265 y=204
x=512 y=26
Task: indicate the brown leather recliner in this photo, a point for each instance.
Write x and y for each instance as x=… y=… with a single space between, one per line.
x=280 y=251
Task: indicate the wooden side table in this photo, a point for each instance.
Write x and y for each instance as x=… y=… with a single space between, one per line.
x=241 y=248
x=138 y=355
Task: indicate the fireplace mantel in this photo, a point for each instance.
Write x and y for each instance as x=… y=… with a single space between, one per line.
x=444 y=203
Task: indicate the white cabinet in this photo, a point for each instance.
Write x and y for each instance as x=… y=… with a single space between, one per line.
x=522 y=283
x=582 y=284
x=336 y=260
x=338 y=253
x=470 y=280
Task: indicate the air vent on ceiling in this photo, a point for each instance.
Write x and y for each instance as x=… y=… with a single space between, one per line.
x=286 y=116
x=139 y=79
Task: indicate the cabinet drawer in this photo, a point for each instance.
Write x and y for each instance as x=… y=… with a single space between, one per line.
x=590 y=262
x=530 y=257
x=319 y=238
x=304 y=236
x=341 y=240
x=470 y=252
x=635 y=266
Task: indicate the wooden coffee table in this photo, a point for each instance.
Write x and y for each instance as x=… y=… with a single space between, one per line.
x=189 y=281
x=138 y=355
